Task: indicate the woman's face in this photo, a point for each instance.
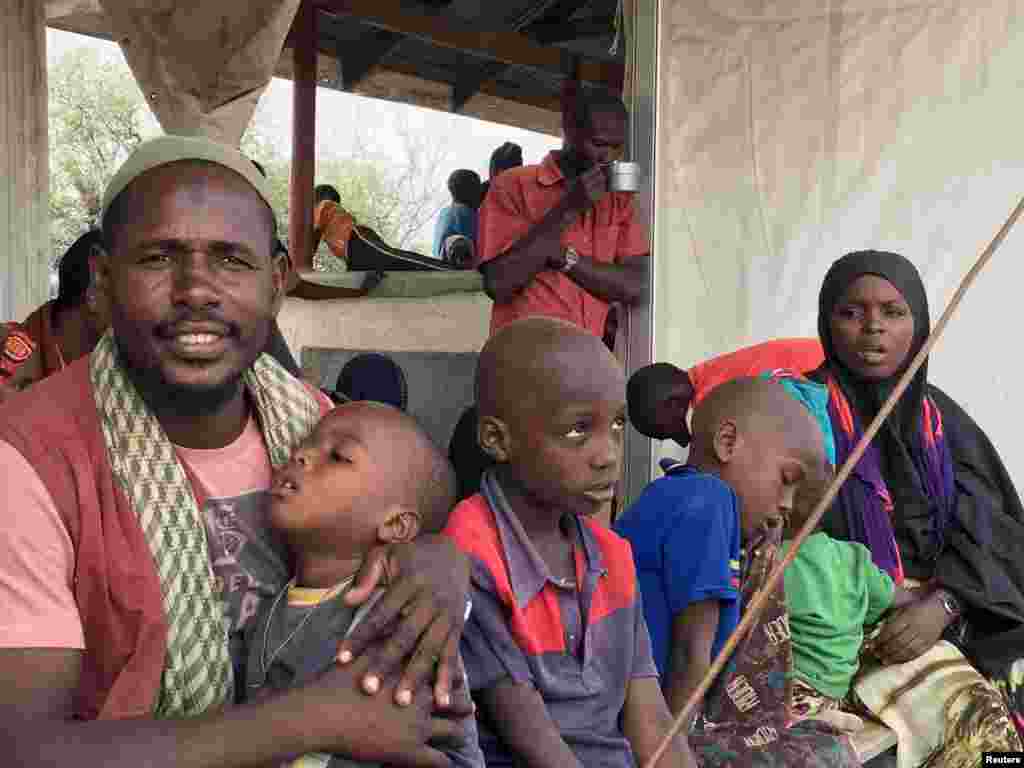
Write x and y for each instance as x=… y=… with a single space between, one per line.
x=872 y=328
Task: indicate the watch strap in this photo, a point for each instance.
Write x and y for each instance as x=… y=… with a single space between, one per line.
x=950 y=603
x=572 y=258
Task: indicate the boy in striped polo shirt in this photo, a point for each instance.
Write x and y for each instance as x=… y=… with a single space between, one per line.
x=556 y=648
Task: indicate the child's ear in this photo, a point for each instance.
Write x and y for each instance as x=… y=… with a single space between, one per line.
x=401 y=525
x=493 y=436
x=726 y=441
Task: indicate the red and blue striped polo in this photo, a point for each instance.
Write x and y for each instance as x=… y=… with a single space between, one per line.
x=578 y=644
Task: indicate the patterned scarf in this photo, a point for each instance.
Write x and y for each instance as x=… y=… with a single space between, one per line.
x=197 y=674
x=748 y=722
x=868 y=505
x=907 y=468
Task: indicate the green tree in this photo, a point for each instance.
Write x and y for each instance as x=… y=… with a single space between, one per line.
x=395 y=195
x=97 y=115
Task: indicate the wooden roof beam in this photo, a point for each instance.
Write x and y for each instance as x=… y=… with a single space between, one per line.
x=510 y=48
x=468 y=82
x=558 y=12
x=550 y=33
x=548 y=103
x=355 y=65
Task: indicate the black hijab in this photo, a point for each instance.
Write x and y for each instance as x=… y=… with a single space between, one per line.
x=980 y=557
x=921 y=515
x=867 y=397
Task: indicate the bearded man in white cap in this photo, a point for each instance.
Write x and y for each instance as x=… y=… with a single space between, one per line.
x=134 y=487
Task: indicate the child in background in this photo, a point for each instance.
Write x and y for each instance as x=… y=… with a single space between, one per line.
x=456 y=229
x=661 y=395
x=368 y=474
x=556 y=647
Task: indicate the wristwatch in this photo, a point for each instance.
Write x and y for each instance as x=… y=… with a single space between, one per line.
x=572 y=258
x=950 y=603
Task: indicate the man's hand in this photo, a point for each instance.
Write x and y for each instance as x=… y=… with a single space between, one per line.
x=558 y=260
x=420 y=616
x=594 y=185
x=912 y=630
x=374 y=729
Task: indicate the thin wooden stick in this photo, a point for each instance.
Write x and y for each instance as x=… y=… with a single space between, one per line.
x=757 y=605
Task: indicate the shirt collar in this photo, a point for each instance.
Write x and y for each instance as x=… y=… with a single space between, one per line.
x=550 y=172
x=669 y=465
x=527 y=572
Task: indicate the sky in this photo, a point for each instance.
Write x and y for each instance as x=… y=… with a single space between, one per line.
x=344 y=118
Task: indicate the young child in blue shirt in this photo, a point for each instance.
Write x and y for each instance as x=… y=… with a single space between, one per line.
x=757 y=452
x=753 y=446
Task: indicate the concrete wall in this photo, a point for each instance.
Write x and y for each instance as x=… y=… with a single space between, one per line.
x=452 y=323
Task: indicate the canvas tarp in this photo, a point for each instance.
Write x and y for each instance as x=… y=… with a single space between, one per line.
x=789 y=133
x=202 y=65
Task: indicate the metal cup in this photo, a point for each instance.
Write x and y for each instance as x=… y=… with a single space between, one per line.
x=624 y=176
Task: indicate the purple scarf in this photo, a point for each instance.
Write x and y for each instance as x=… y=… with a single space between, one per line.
x=865 y=500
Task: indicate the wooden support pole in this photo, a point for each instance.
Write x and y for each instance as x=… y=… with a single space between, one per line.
x=24 y=167
x=300 y=211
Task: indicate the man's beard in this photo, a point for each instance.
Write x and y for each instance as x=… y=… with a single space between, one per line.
x=163 y=396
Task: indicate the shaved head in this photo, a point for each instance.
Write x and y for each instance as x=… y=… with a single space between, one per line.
x=424 y=479
x=552 y=415
x=659 y=397
x=758 y=407
x=763 y=444
x=537 y=361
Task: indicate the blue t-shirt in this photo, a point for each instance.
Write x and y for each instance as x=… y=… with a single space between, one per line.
x=685 y=534
x=455 y=219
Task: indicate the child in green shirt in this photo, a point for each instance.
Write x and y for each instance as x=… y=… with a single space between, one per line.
x=833 y=590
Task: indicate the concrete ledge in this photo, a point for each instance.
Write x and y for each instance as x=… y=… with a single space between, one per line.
x=405 y=284
x=456 y=322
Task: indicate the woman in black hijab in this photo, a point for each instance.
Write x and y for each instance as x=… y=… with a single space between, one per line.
x=931 y=498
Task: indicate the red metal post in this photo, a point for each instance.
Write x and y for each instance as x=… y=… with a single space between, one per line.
x=300 y=211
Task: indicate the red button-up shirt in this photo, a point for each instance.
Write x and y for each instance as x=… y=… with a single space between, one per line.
x=607 y=233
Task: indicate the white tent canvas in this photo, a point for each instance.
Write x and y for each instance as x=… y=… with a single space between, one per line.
x=789 y=133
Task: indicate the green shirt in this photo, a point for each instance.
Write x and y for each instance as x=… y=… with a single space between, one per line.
x=832 y=591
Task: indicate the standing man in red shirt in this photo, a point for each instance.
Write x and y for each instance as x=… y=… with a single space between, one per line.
x=553 y=240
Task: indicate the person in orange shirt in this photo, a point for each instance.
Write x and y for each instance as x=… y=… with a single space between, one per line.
x=361 y=248
x=553 y=240
x=331 y=223
x=661 y=395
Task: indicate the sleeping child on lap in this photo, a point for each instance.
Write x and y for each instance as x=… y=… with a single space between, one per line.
x=366 y=475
